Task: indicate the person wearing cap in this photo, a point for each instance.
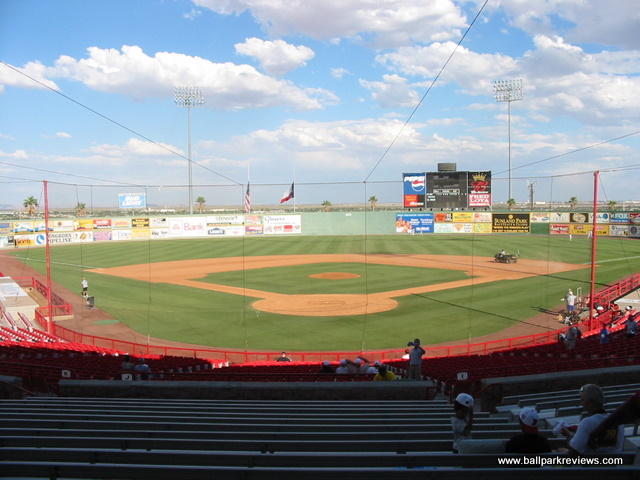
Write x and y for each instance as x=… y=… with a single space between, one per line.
x=343 y=368
x=361 y=365
x=326 y=367
x=283 y=358
x=592 y=399
x=415 y=360
x=462 y=420
x=570 y=298
x=374 y=368
x=384 y=375
x=632 y=327
x=530 y=440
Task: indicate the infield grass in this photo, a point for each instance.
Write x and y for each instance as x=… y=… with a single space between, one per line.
x=203 y=317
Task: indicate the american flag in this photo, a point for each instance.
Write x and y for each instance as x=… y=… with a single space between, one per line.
x=247 y=200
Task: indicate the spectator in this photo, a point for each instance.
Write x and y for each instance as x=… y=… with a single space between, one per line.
x=343 y=368
x=407 y=354
x=361 y=365
x=632 y=327
x=571 y=336
x=530 y=440
x=374 y=368
x=127 y=365
x=462 y=420
x=142 y=369
x=283 y=358
x=326 y=367
x=592 y=399
x=384 y=375
x=415 y=360
x=604 y=335
x=628 y=412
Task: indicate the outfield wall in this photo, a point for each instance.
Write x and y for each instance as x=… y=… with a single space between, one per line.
x=26 y=233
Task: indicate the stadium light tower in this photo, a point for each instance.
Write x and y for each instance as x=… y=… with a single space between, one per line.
x=189 y=97
x=508 y=91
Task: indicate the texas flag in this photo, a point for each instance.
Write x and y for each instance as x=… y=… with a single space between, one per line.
x=287 y=195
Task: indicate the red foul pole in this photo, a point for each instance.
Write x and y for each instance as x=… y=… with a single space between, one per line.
x=49 y=326
x=594 y=242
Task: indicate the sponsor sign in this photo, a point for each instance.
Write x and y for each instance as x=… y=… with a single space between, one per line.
x=140 y=233
x=579 y=217
x=619 y=217
x=511 y=222
x=253 y=230
x=132 y=200
x=479 y=189
x=462 y=228
x=58 y=238
x=281 y=224
x=61 y=225
x=443 y=228
x=102 y=235
x=540 y=217
x=24 y=240
x=634 y=218
x=124 y=223
x=619 y=230
x=232 y=231
x=414 y=223
x=156 y=222
x=225 y=220
x=121 y=235
x=482 y=228
x=101 y=223
x=557 y=229
x=603 y=217
x=577 y=229
x=83 y=236
x=463 y=216
x=444 y=217
x=5 y=228
x=84 y=224
x=140 y=222
x=414 y=189
x=557 y=217
x=19 y=227
x=39 y=226
x=252 y=220
x=160 y=233
x=482 y=217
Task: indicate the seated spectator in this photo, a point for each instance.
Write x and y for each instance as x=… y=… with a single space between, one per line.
x=604 y=335
x=592 y=399
x=374 y=368
x=343 y=368
x=326 y=367
x=628 y=412
x=283 y=358
x=632 y=327
x=462 y=420
x=361 y=365
x=530 y=440
x=127 y=365
x=384 y=375
x=142 y=369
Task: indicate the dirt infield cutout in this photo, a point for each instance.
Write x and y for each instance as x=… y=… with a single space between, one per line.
x=186 y=273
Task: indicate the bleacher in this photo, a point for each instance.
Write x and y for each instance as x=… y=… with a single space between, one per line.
x=156 y=439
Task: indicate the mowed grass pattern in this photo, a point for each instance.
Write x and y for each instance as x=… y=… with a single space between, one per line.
x=203 y=317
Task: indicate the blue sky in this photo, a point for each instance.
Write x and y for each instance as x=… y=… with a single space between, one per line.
x=342 y=96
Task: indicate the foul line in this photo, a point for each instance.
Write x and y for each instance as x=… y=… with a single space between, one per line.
x=614 y=260
x=56 y=263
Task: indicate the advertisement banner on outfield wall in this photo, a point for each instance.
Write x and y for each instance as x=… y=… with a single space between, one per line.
x=123 y=223
x=140 y=222
x=619 y=217
x=482 y=217
x=579 y=218
x=58 y=238
x=634 y=218
x=462 y=228
x=20 y=227
x=443 y=217
x=24 y=240
x=253 y=230
x=462 y=217
x=634 y=231
x=603 y=217
x=83 y=236
x=282 y=224
x=619 y=230
x=83 y=224
x=102 y=223
x=160 y=233
x=443 y=228
x=213 y=220
x=140 y=233
x=61 y=225
x=121 y=235
x=188 y=227
x=228 y=231
x=5 y=228
x=414 y=223
x=481 y=228
x=559 y=229
x=511 y=223
x=557 y=217
x=158 y=222
x=102 y=235
x=540 y=217
x=576 y=229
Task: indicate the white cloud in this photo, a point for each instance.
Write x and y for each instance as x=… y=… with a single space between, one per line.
x=277 y=57
x=339 y=72
x=133 y=73
x=24 y=77
x=17 y=155
x=393 y=91
x=62 y=135
x=382 y=23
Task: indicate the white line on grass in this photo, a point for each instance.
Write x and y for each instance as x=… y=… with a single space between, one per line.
x=55 y=263
x=621 y=259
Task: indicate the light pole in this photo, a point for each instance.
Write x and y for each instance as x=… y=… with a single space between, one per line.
x=189 y=97
x=508 y=91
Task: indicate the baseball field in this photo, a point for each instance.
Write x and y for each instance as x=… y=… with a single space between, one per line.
x=315 y=293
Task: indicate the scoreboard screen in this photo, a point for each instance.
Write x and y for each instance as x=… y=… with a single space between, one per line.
x=447 y=189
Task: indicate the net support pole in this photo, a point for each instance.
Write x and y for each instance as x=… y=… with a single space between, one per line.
x=49 y=326
x=594 y=249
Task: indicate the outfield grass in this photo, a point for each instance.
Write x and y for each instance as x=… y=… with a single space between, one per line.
x=222 y=320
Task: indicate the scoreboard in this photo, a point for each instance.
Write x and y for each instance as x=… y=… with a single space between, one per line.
x=447 y=189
